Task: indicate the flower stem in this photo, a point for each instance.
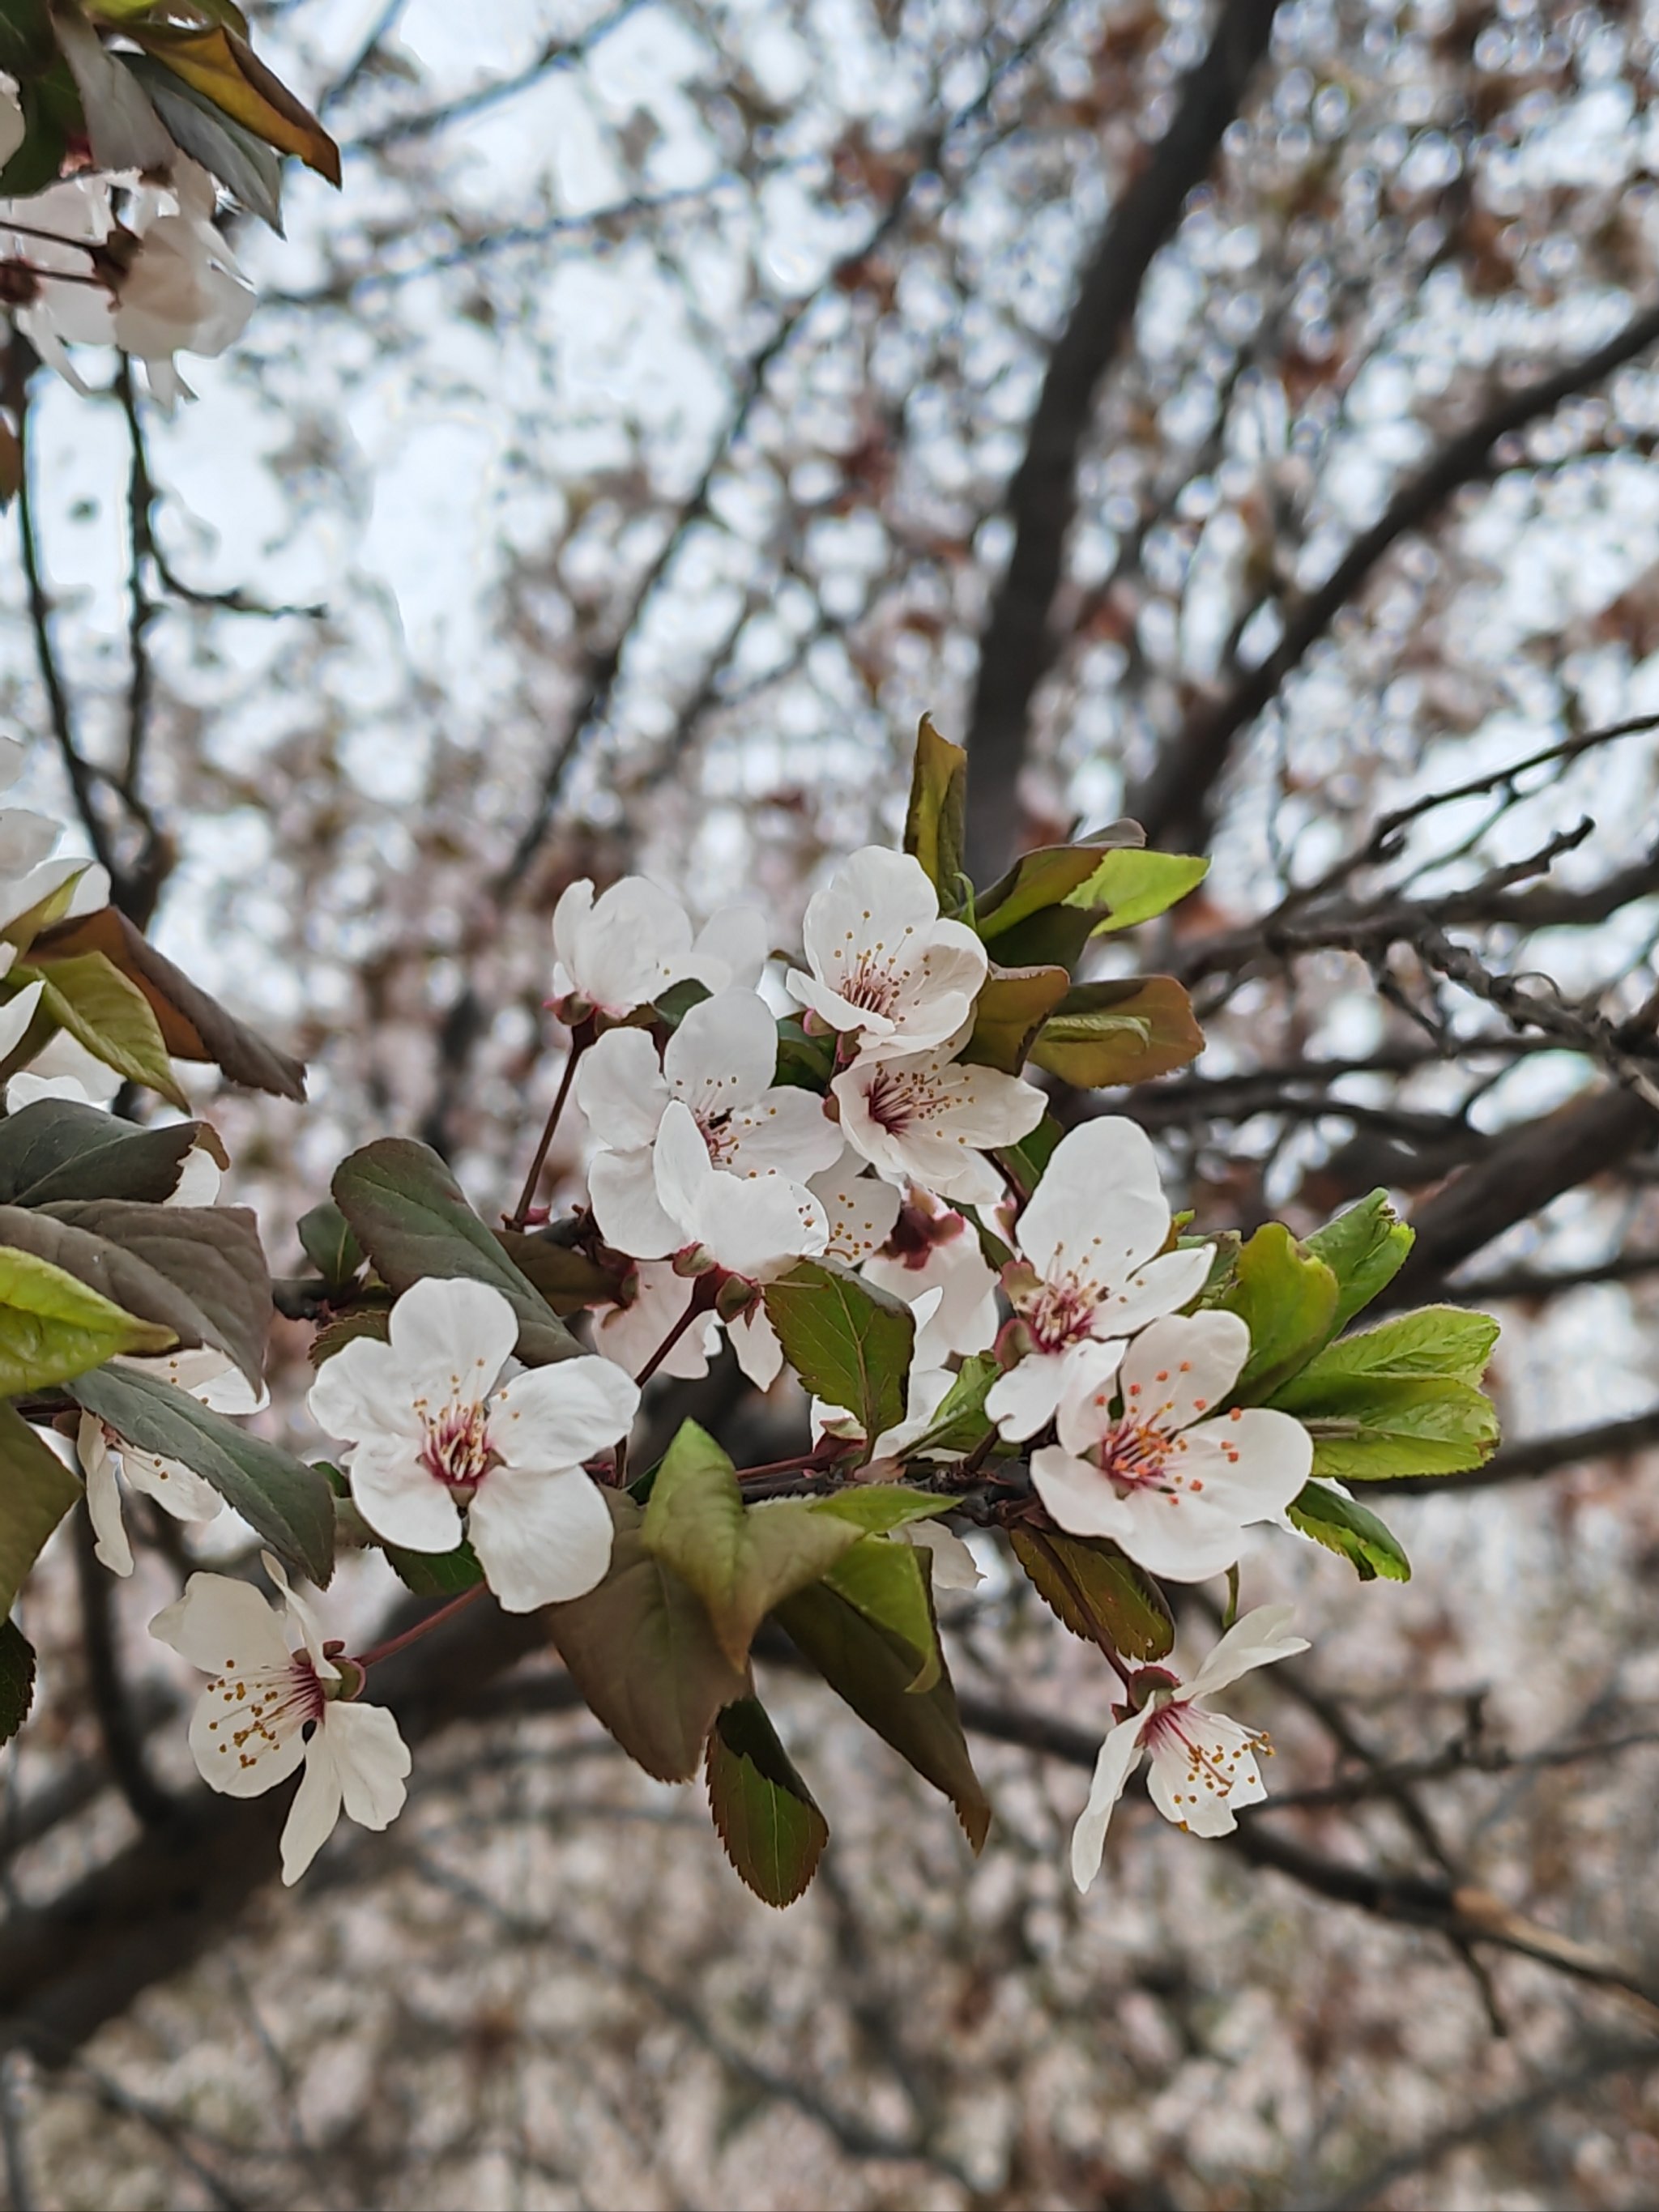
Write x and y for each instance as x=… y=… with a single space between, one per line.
x=581 y=1037
x=378 y=1651
x=704 y=1292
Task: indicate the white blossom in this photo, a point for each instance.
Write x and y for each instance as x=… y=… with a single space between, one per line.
x=886 y=970
x=211 y=1379
x=1091 y=1240
x=930 y=1119
x=1174 y=1489
x=630 y=1332
x=755 y=1227
x=248 y=1732
x=634 y=942
x=964 y=1320
x=1203 y=1765
x=719 y=1065
x=433 y=1438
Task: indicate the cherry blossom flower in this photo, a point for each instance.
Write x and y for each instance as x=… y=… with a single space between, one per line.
x=210 y=1378
x=860 y=1207
x=248 y=1732
x=752 y=1226
x=433 y=1438
x=630 y=945
x=930 y=1119
x=630 y=1332
x=964 y=1320
x=1175 y=1490
x=719 y=1065
x=1203 y=1764
x=1091 y=1241
x=885 y=968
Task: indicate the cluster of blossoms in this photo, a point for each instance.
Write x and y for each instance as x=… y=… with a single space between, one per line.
x=711 y=1174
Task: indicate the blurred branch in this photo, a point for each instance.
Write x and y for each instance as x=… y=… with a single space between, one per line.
x=1523 y=1283
x=1016 y=647
x=1175 y=800
x=118 y=1723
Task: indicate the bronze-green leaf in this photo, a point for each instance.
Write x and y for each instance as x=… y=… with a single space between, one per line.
x=1341 y=1524
x=1100 y=1596
x=36 y=1491
x=1103 y=1035
x=17 y=1679
x=89 y=997
x=58 y=1149
x=209 y=1257
x=1132 y=885
x=933 y=822
x=764 y=1814
x=850 y=1342
x=1013 y=1006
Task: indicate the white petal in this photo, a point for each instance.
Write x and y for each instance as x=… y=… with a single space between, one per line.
x=965 y=1320
x=360 y=1392
x=622 y=1189
x=861 y=1207
x=954 y=1566
x=558 y=1416
x=540 y=1538
x=1172 y=1279
x=178 y=1489
x=247 y=1733
x=621 y=1089
x=400 y=1501
x=730 y=948
x=1258 y=1462
x=1027 y=1398
x=222 y=1626
x=785 y=1130
x=371 y=1758
x=1203 y=1765
x=315 y=1811
x=1173 y=1534
x=1077 y=1497
x=829 y=1007
x=452 y=1337
x=1116 y=1763
x=724 y=1054
x=629 y=1335
x=303 y=1617
x=756 y=1229
x=110 y=1543
x=1182 y=1366
x=875 y=894
x=16 y=1014
x=1099 y=1209
x=632 y=946
x=1088 y=1384
x=1256 y=1640
x=682 y=1169
x=756 y=1346
x=199 y=1179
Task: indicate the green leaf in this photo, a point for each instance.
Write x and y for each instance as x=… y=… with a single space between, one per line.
x=960 y=1420
x=326 y=1240
x=872 y=1670
x=435 y=1574
x=53 y=1326
x=289 y=1503
x=409 y=1216
x=1132 y=885
x=891 y=1585
x=1026 y=1160
x=849 y=1343
x=1364 y=1248
x=36 y=1491
x=643 y=1653
x=739 y=1559
x=873 y=1508
x=1013 y=1006
x=764 y=1814
x=254 y=172
x=1366 y=1426
x=804 y=1063
x=567 y=1278
x=1341 y=1525
x=17 y=1679
x=1037 y=881
x=219 y=63
x=1124 y=1031
x=56 y=1149
x=26 y=45
x=23 y=929
x=933 y=822
x=334 y=1335
x=1431 y=1340
x=90 y=998
x=1287 y=1296
x=1100 y=1596
x=213 y=1284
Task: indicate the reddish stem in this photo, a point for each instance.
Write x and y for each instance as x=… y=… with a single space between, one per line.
x=704 y=1291
x=581 y=1037
x=378 y=1651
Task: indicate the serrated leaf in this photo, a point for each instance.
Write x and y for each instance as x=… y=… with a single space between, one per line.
x=933 y=822
x=1367 y=1426
x=16 y=1678
x=643 y=1652
x=89 y=997
x=739 y=1559
x=891 y=1585
x=1287 y=1296
x=409 y=1215
x=960 y=1420
x=208 y=1256
x=871 y=1669
x=326 y=1239
x=1344 y=1526
x=193 y=1025
x=1103 y=1035
x=435 y=1574
x=849 y=1343
x=1431 y=1340
x=53 y=1325
x=57 y=1148
x=873 y=1508
x=1364 y=1248
x=220 y=65
x=1132 y=885
x=36 y=1491
x=288 y=1503
x=764 y=1814
x=1100 y=1596
x=334 y=1335
x=1012 y=1007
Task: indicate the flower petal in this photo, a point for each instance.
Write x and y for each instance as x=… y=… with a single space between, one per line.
x=731 y=948
x=360 y=1392
x=1257 y=1639
x=1116 y=1763
x=222 y=1626
x=110 y=1545
x=1203 y=1765
x=371 y=1758
x=629 y=1335
x=313 y=1816
x=861 y=1207
x=756 y=1348
x=558 y=1416
x=1077 y=1497
x=241 y=1745
x=1182 y=1367
x=1088 y=1383
x=1099 y=1209
x=402 y=1502
x=724 y=1054
x=16 y=1014
x=787 y=1129
x=622 y=1187
x=1170 y=1280
x=452 y=1338
x=540 y=1538
x=1027 y=1398
x=621 y=1089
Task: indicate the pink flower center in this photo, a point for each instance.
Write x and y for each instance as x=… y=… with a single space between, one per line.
x=1214 y=1769
x=1059 y=1314
x=1138 y=1454
x=896 y=1102
x=719 y=1135
x=263 y=1709
x=873 y=984
x=457 y=1450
